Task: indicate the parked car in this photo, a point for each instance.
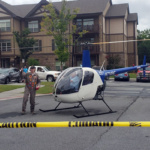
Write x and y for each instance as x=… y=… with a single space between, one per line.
x=122 y=76
x=141 y=77
x=9 y=74
x=46 y=74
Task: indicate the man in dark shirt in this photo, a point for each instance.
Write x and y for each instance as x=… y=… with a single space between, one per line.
x=32 y=82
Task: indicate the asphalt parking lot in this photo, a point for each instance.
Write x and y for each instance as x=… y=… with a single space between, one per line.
x=130 y=100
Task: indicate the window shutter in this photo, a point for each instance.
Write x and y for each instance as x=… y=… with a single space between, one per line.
x=53 y=44
x=40 y=45
x=39 y=23
x=66 y=41
x=26 y=24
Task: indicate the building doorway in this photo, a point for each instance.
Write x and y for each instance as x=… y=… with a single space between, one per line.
x=5 y=63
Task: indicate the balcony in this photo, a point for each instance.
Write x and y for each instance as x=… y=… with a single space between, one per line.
x=89 y=28
x=94 y=49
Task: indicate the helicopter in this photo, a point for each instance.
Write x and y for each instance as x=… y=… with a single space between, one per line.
x=79 y=84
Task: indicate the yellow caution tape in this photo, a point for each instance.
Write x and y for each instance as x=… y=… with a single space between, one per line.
x=73 y=124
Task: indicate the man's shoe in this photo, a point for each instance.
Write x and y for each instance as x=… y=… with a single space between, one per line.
x=33 y=113
x=23 y=113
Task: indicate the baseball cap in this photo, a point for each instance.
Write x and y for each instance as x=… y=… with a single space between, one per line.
x=32 y=67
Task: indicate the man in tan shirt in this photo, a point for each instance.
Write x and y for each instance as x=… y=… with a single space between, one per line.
x=32 y=82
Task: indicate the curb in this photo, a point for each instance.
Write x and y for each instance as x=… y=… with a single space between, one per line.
x=16 y=97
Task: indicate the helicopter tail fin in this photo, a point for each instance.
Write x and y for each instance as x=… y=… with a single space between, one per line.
x=144 y=60
x=86 y=61
x=144 y=63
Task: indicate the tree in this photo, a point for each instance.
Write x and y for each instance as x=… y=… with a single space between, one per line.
x=143 y=46
x=33 y=62
x=60 y=26
x=25 y=44
x=113 y=61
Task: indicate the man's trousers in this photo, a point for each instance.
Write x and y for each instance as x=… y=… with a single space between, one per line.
x=32 y=99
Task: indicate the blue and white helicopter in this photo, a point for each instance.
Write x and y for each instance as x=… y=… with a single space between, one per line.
x=79 y=84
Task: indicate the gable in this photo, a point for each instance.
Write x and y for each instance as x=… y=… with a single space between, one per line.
x=39 y=12
x=4 y=13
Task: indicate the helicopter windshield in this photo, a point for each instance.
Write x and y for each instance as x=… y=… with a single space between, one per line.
x=70 y=81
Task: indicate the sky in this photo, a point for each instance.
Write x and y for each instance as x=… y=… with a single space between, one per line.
x=142 y=7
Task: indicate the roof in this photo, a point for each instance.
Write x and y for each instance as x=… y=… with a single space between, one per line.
x=5 y=4
x=6 y=7
x=22 y=10
x=132 y=17
x=85 y=6
x=17 y=10
x=117 y=10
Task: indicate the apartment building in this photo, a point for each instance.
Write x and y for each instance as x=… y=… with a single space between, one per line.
x=104 y=21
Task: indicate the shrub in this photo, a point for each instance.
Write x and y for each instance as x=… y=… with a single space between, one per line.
x=33 y=62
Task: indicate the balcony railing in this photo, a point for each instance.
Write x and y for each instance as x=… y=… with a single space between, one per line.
x=89 y=28
x=94 y=49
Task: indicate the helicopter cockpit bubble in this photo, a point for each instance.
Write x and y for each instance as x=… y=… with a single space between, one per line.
x=69 y=82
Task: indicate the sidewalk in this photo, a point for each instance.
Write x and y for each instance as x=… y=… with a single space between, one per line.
x=17 y=93
x=13 y=94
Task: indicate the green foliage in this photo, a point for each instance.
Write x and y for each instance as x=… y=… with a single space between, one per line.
x=48 y=88
x=144 y=46
x=4 y=88
x=32 y=62
x=59 y=25
x=113 y=61
x=132 y=75
x=25 y=44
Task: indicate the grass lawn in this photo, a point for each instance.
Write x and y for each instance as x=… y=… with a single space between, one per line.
x=132 y=75
x=4 y=88
x=48 y=88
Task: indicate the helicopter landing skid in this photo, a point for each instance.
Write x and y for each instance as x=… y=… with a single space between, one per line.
x=55 y=109
x=95 y=114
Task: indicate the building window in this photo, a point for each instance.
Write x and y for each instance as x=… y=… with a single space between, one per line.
x=5 y=25
x=37 y=46
x=5 y=45
x=79 y=24
x=88 y=22
x=58 y=64
x=33 y=26
x=54 y=46
x=85 y=24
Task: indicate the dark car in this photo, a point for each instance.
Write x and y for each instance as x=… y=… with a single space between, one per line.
x=9 y=74
x=122 y=76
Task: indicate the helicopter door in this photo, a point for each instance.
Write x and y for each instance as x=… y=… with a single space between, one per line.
x=88 y=87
